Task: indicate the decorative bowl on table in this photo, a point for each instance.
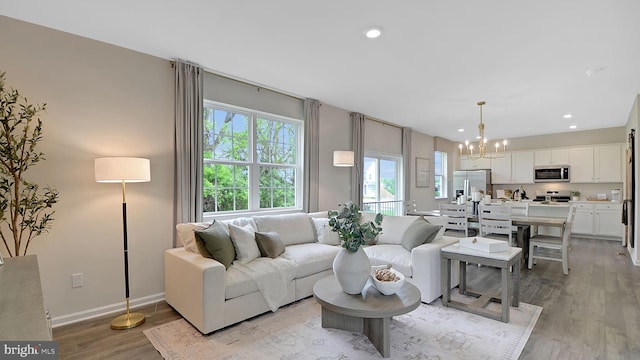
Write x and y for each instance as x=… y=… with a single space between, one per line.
x=387 y=280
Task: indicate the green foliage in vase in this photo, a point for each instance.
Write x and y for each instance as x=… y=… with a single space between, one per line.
x=25 y=211
x=353 y=233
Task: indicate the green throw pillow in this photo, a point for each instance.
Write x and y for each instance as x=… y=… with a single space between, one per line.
x=216 y=240
x=418 y=233
x=270 y=244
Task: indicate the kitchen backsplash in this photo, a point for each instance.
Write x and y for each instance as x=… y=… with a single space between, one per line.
x=586 y=190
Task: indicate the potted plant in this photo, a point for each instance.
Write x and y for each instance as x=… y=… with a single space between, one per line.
x=25 y=210
x=575 y=195
x=351 y=266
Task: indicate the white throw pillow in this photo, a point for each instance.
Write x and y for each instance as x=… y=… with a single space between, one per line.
x=393 y=228
x=438 y=220
x=244 y=240
x=187 y=237
x=324 y=232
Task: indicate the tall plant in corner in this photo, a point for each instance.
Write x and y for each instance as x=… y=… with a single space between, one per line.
x=25 y=211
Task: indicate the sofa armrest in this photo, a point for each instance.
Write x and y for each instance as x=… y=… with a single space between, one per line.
x=195 y=287
x=425 y=262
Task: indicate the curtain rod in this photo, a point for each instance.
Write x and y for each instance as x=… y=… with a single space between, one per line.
x=247 y=82
x=383 y=122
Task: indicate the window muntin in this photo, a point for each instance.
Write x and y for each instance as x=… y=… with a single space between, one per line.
x=241 y=176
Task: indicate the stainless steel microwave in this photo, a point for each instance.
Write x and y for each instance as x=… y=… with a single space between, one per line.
x=551 y=173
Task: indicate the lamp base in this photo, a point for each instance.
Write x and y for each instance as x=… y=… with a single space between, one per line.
x=127 y=321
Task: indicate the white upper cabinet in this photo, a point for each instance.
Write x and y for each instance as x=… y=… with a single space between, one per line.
x=550 y=157
x=608 y=163
x=513 y=168
x=501 y=170
x=581 y=165
x=478 y=164
x=602 y=163
x=522 y=167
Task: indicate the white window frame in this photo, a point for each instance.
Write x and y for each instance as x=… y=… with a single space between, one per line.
x=442 y=172
x=399 y=173
x=254 y=165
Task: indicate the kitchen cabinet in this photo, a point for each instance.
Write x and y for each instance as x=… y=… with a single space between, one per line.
x=477 y=164
x=608 y=220
x=549 y=157
x=597 y=164
x=513 y=168
x=598 y=219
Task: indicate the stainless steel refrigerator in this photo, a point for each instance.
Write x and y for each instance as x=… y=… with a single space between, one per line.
x=465 y=181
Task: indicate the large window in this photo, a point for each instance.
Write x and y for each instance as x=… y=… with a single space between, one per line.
x=440 y=172
x=382 y=183
x=252 y=161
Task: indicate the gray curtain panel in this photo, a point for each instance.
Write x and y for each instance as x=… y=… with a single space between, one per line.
x=358 y=153
x=406 y=157
x=311 y=155
x=188 y=142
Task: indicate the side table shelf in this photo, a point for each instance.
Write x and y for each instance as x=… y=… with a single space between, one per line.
x=21 y=303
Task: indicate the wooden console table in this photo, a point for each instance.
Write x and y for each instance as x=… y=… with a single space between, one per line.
x=21 y=304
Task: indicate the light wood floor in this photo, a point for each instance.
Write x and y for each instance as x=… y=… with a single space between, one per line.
x=593 y=313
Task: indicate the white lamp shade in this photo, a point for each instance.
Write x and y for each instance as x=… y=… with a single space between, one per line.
x=119 y=169
x=343 y=158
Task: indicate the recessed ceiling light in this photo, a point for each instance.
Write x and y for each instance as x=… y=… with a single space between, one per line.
x=373 y=32
x=461 y=130
x=572 y=127
x=567 y=116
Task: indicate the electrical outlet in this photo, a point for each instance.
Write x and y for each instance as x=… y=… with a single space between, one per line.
x=76 y=280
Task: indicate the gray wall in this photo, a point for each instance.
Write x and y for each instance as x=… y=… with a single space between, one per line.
x=102 y=100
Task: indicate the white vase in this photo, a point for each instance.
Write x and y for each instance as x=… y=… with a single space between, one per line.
x=352 y=270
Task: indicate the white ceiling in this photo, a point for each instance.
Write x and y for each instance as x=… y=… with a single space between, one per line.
x=434 y=61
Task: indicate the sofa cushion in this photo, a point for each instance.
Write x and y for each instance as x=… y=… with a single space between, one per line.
x=241 y=221
x=319 y=214
x=217 y=243
x=269 y=244
x=187 y=237
x=324 y=233
x=393 y=229
x=311 y=258
x=238 y=284
x=418 y=233
x=292 y=228
x=438 y=220
x=396 y=255
x=244 y=242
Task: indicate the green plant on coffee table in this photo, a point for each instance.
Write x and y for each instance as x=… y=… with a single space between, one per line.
x=353 y=233
x=574 y=193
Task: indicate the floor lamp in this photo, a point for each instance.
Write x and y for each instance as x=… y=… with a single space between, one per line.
x=124 y=170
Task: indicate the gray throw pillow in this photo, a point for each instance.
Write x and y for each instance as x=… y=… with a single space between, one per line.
x=270 y=244
x=418 y=233
x=216 y=241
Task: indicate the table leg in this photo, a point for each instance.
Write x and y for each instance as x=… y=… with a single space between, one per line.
x=505 y=294
x=516 y=284
x=377 y=330
x=462 y=277
x=445 y=283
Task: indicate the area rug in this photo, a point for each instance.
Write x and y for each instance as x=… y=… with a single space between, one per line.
x=295 y=332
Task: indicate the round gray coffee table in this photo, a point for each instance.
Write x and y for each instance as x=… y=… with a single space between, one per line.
x=369 y=313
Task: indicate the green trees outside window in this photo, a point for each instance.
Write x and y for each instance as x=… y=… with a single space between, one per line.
x=251 y=161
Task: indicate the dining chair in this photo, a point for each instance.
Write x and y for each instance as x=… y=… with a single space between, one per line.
x=560 y=243
x=456 y=218
x=495 y=222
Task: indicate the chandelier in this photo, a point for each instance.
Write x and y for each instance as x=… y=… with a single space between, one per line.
x=475 y=151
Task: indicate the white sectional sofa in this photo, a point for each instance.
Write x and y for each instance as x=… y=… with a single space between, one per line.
x=211 y=296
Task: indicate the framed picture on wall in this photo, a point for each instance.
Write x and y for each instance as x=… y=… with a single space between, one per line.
x=423 y=173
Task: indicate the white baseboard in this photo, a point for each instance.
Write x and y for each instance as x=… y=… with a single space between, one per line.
x=105 y=310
